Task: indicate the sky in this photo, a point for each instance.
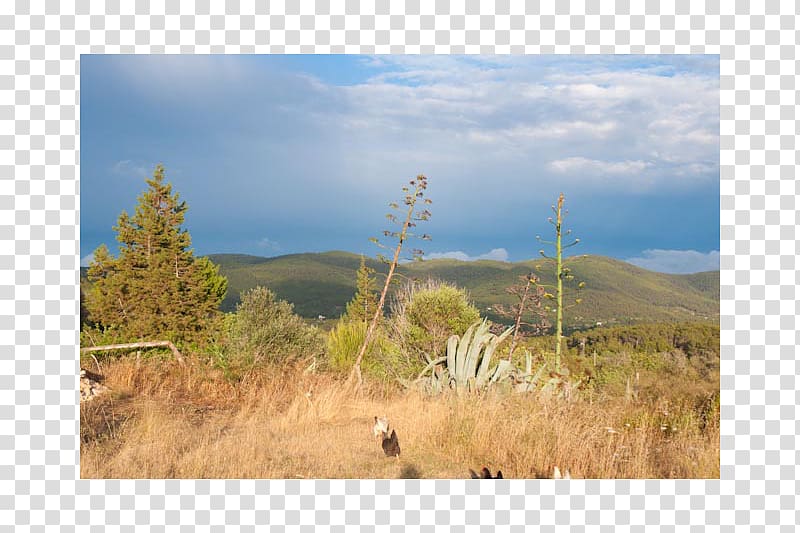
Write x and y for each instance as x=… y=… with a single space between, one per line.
x=303 y=153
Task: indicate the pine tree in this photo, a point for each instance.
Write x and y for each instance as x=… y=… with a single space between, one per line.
x=156 y=288
x=362 y=307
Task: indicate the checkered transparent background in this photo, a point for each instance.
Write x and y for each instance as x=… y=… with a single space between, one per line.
x=40 y=47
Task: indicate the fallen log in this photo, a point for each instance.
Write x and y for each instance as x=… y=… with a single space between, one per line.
x=136 y=345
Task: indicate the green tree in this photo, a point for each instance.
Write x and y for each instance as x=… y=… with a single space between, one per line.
x=156 y=288
x=363 y=305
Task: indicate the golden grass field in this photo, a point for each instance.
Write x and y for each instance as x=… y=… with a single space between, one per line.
x=161 y=420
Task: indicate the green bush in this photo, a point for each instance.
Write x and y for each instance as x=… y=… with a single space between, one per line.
x=343 y=343
x=425 y=315
x=266 y=330
x=696 y=340
x=381 y=360
x=98 y=336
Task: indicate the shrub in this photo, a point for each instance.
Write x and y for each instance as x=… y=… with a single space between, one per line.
x=97 y=336
x=381 y=359
x=266 y=330
x=426 y=314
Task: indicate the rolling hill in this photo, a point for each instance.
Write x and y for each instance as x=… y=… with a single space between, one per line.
x=616 y=291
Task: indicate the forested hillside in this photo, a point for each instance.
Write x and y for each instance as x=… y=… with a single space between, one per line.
x=615 y=292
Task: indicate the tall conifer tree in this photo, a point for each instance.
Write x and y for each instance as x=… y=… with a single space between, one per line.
x=362 y=307
x=156 y=288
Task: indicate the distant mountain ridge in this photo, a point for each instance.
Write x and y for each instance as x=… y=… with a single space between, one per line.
x=615 y=292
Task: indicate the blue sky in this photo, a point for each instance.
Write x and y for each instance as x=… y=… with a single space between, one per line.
x=286 y=154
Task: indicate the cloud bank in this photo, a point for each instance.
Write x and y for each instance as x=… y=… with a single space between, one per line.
x=677 y=261
x=496 y=254
x=309 y=149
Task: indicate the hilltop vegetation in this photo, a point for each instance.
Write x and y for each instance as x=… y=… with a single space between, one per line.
x=261 y=392
x=254 y=403
x=616 y=291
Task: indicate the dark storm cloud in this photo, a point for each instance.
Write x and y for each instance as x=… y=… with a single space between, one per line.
x=285 y=150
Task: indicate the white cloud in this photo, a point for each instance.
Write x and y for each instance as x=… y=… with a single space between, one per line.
x=547 y=131
x=86 y=260
x=496 y=254
x=599 y=118
x=677 y=261
x=593 y=129
x=132 y=169
x=269 y=245
x=580 y=164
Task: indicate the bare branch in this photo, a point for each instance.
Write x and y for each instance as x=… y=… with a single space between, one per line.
x=410 y=200
x=137 y=345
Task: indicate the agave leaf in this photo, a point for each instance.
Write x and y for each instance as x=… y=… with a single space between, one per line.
x=539 y=372
x=482 y=375
x=452 y=347
x=481 y=338
x=494 y=342
x=461 y=356
x=533 y=380
x=501 y=371
x=439 y=384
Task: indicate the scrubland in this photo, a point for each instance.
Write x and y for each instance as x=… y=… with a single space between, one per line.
x=162 y=420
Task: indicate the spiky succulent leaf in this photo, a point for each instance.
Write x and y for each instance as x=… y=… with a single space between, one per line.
x=496 y=341
x=501 y=371
x=481 y=338
x=531 y=381
x=452 y=348
x=492 y=345
x=461 y=356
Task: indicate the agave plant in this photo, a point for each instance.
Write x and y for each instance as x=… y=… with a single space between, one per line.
x=556 y=384
x=468 y=367
x=528 y=380
x=469 y=361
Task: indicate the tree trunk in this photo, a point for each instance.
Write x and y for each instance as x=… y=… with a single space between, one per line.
x=520 y=310
x=356 y=373
x=137 y=345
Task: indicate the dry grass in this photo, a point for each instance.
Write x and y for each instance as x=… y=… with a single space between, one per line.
x=167 y=422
